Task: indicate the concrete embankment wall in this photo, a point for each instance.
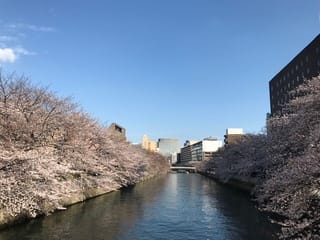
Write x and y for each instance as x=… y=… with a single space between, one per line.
x=7 y=220
x=232 y=182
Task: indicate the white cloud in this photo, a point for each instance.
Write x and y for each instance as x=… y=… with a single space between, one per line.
x=7 y=55
x=12 y=54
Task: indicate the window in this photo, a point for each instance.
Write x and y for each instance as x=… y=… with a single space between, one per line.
x=297 y=67
x=301 y=63
x=288 y=74
x=288 y=85
x=298 y=78
x=308 y=70
x=317 y=50
x=292 y=71
x=307 y=59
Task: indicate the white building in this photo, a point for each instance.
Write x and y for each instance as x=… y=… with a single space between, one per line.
x=205 y=149
x=234 y=131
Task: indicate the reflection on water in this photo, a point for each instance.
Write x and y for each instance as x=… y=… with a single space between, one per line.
x=178 y=206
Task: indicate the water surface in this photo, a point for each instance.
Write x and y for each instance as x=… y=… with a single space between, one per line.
x=177 y=206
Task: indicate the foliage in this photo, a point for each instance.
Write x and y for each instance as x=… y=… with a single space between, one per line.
x=50 y=151
x=283 y=163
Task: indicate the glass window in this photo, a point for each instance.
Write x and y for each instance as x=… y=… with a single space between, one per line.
x=307 y=59
x=308 y=70
x=297 y=66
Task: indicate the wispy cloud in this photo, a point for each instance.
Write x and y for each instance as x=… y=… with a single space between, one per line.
x=31 y=27
x=7 y=55
x=5 y=38
x=22 y=51
x=12 y=37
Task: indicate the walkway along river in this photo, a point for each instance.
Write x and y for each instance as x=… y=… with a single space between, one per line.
x=177 y=206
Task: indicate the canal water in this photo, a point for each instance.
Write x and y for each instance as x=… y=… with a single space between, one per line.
x=177 y=206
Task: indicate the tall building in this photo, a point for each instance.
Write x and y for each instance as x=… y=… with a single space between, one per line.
x=303 y=66
x=169 y=147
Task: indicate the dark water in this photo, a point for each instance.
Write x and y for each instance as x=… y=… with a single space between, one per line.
x=178 y=206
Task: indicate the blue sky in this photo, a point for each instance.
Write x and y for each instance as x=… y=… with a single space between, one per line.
x=171 y=68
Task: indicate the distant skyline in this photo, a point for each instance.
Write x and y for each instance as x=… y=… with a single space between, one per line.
x=181 y=69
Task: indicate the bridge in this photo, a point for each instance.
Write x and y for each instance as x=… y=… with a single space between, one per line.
x=183 y=169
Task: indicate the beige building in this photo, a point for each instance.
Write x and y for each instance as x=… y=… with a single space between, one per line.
x=149 y=145
x=233 y=135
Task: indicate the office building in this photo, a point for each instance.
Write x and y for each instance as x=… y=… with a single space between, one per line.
x=185 y=153
x=200 y=150
x=169 y=147
x=303 y=66
x=205 y=149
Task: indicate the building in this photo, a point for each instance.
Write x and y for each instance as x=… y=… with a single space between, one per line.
x=200 y=150
x=185 y=152
x=149 y=145
x=117 y=132
x=303 y=66
x=232 y=135
x=169 y=147
x=205 y=149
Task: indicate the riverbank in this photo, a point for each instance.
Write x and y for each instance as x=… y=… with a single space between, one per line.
x=175 y=206
x=40 y=185
x=233 y=182
x=52 y=154
x=282 y=164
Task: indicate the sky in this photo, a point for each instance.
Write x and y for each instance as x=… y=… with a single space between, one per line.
x=185 y=69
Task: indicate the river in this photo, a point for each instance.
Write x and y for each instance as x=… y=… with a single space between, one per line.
x=177 y=206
